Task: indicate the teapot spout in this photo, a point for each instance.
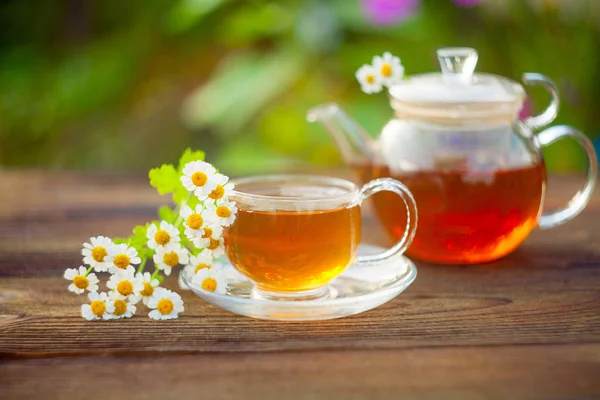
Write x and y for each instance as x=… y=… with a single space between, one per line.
x=353 y=142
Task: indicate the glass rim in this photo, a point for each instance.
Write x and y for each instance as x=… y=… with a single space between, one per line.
x=349 y=194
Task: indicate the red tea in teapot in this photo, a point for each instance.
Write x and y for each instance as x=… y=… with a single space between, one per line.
x=464 y=217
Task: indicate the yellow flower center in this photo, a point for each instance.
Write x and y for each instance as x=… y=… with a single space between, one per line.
x=195 y=221
x=209 y=284
x=370 y=79
x=148 y=289
x=171 y=259
x=218 y=193
x=213 y=244
x=121 y=261
x=223 y=211
x=386 y=70
x=120 y=307
x=199 y=178
x=162 y=237
x=125 y=288
x=207 y=232
x=165 y=306
x=80 y=281
x=201 y=266
x=98 y=307
x=98 y=253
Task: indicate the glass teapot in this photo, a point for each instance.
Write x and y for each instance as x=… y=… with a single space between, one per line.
x=474 y=167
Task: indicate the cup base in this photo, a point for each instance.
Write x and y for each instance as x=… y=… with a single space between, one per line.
x=325 y=292
x=359 y=288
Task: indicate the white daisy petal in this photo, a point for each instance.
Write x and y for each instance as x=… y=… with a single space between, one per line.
x=162 y=235
x=370 y=81
x=222 y=188
x=70 y=273
x=210 y=280
x=95 y=253
x=99 y=307
x=202 y=260
x=166 y=304
x=389 y=69
x=121 y=257
x=146 y=289
x=125 y=283
x=170 y=256
x=198 y=177
x=223 y=212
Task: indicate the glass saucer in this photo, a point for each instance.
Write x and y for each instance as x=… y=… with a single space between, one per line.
x=359 y=288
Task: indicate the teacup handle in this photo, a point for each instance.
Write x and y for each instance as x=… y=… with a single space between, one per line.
x=582 y=197
x=391 y=185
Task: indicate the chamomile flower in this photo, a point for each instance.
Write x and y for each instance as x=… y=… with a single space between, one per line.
x=389 y=69
x=222 y=190
x=369 y=80
x=216 y=247
x=147 y=290
x=193 y=220
x=202 y=261
x=122 y=257
x=211 y=280
x=80 y=282
x=95 y=253
x=125 y=283
x=162 y=235
x=99 y=308
x=165 y=304
x=198 y=177
x=212 y=230
x=223 y=212
x=168 y=257
x=122 y=308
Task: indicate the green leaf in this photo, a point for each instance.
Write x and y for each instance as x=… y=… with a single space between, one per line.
x=120 y=240
x=167 y=214
x=189 y=155
x=139 y=241
x=193 y=202
x=180 y=194
x=165 y=178
x=160 y=278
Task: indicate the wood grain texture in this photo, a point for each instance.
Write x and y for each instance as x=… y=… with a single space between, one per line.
x=508 y=372
x=526 y=326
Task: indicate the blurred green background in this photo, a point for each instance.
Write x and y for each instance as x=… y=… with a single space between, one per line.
x=126 y=85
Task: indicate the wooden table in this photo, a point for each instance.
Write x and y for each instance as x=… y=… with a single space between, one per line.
x=527 y=326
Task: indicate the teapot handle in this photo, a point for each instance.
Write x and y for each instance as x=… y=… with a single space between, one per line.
x=539 y=121
x=582 y=197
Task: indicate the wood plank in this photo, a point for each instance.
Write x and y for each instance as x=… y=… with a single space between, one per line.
x=446 y=306
x=504 y=372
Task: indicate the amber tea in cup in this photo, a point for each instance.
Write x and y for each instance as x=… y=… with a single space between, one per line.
x=293 y=234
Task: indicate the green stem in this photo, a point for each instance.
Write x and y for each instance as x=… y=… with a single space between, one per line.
x=142 y=265
x=88 y=271
x=179 y=220
x=193 y=250
x=155 y=274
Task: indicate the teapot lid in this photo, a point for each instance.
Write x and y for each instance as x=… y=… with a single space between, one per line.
x=457 y=92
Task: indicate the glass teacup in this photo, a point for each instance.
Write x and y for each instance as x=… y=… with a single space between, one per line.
x=293 y=234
